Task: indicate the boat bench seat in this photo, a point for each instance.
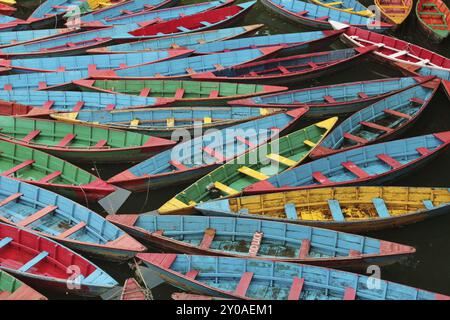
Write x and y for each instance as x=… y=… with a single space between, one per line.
x=398 y=54
x=349 y=294
x=190 y=70
x=18 y=167
x=183 y=29
x=145 y=92
x=66 y=140
x=36 y=216
x=417 y=100
x=324 y=18
x=397 y=114
x=48 y=104
x=362 y=95
x=252 y=173
x=381 y=208
x=179 y=93
x=215 y=154
x=244 y=283
x=319 y=177
x=336 y=211
x=10 y=198
x=5 y=242
x=78 y=106
x=27 y=266
x=290 y=211
x=389 y=160
x=71 y=231
x=178 y=165
x=100 y=143
x=428 y=204
x=355 y=169
x=170 y=122
x=205 y=23
x=283 y=69
x=224 y=188
x=207 y=120
x=309 y=143
x=302 y=13
x=134 y=123
x=375 y=126
x=208 y=238
x=192 y=274
x=31 y=135
x=296 y=288
x=304 y=248
x=50 y=177
x=423 y=151
x=255 y=244
x=354 y=138
x=280 y=159
x=329 y=99
x=213 y=94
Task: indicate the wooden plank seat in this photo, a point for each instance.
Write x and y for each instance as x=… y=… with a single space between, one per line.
x=170 y=122
x=218 y=66
x=381 y=208
x=71 y=230
x=30 y=264
x=36 y=216
x=320 y=178
x=296 y=288
x=375 y=126
x=324 y=18
x=290 y=211
x=280 y=159
x=22 y=165
x=208 y=238
x=66 y=140
x=190 y=70
x=397 y=114
x=48 y=104
x=312 y=65
x=101 y=143
x=50 y=176
x=192 y=274
x=205 y=23
x=215 y=154
x=10 y=198
x=207 y=120
x=183 y=29
x=30 y=136
x=355 y=169
x=283 y=69
x=5 y=241
x=362 y=95
x=389 y=160
x=428 y=204
x=145 y=92
x=336 y=211
x=417 y=100
x=110 y=107
x=224 y=188
x=179 y=93
x=244 y=284
x=354 y=138
x=309 y=143
x=78 y=106
x=134 y=123
x=329 y=99
x=349 y=294
x=302 y=13
x=423 y=151
x=398 y=54
x=178 y=165
x=304 y=248
x=213 y=94
x=253 y=173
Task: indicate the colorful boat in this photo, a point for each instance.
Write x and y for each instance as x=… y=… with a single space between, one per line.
x=259 y=239
x=6 y=10
x=189 y=296
x=257 y=165
x=350 y=6
x=53 y=216
x=46 y=171
x=196 y=22
x=178 y=42
x=146 y=17
x=48 y=265
x=434 y=18
x=127 y=7
x=165 y=122
x=14 y=38
x=40 y=103
x=394 y=11
x=196 y=157
x=349 y=209
x=181 y=92
x=291 y=42
x=413 y=70
x=319 y=17
x=91 y=63
x=369 y=165
x=391 y=50
x=13 y=289
x=381 y=121
x=8 y=23
x=336 y=99
x=133 y=291
x=183 y=68
x=80 y=143
x=291 y=69
x=252 y=279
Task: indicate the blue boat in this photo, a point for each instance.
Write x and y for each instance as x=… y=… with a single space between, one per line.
x=178 y=42
x=369 y=165
x=13 y=38
x=163 y=122
x=91 y=63
x=41 y=80
x=46 y=102
x=424 y=71
x=127 y=7
x=8 y=23
x=56 y=217
x=57 y=7
x=318 y=17
x=333 y=99
x=259 y=239
x=194 y=158
x=252 y=279
x=291 y=42
x=381 y=121
x=184 y=68
x=350 y=6
x=148 y=17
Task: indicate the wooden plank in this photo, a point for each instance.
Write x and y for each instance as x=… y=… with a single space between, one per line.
x=178 y=165
x=5 y=241
x=296 y=288
x=208 y=238
x=354 y=138
x=417 y=100
x=428 y=204
x=283 y=70
x=215 y=154
x=244 y=283
x=381 y=208
x=145 y=92
x=36 y=216
x=329 y=99
x=27 y=266
x=71 y=231
x=179 y=93
x=336 y=211
x=394 y=164
x=30 y=136
x=362 y=95
x=214 y=94
x=100 y=144
x=349 y=294
x=375 y=126
x=49 y=177
x=253 y=173
x=423 y=151
x=192 y=274
x=78 y=106
x=290 y=211
x=17 y=168
x=319 y=177
x=280 y=159
x=10 y=199
x=397 y=114
x=224 y=188
x=357 y=171
x=66 y=140
x=309 y=143
x=304 y=248
x=48 y=105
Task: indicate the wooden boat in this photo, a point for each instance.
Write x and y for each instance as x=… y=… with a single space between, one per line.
x=252 y=279
x=48 y=265
x=319 y=17
x=8 y=23
x=394 y=11
x=374 y=164
x=291 y=69
x=189 y=296
x=183 y=68
x=349 y=209
x=146 y=17
x=80 y=143
x=202 y=154
x=391 y=50
x=291 y=42
x=40 y=103
x=260 y=239
x=381 y=121
x=257 y=165
x=434 y=18
x=333 y=99
x=164 y=122
x=178 y=42
x=127 y=7
x=91 y=63
x=197 y=22
x=46 y=171
x=53 y=216
x=6 y=10
x=14 y=38
x=181 y=93
x=133 y=291
x=350 y=6
x=412 y=70
x=13 y=289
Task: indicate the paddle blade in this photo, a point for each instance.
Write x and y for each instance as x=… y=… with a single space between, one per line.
x=112 y=202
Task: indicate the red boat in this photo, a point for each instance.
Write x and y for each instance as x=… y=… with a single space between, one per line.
x=6 y=10
x=133 y=291
x=196 y=22
x=434 y=19
x=391 y=50
x=289 y=69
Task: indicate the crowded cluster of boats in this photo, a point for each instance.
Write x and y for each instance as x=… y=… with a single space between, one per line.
x=277 y=214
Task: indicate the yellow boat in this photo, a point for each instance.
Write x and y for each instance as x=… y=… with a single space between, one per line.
x=98 y=4
x=350 y=209
x=394 y=11
x=349 y=6
x=8 y=2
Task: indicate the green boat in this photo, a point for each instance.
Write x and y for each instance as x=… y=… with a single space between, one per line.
x=258 y=164
x=46 y=171
x=196 y=93
x=14 y=289
x=80 y=142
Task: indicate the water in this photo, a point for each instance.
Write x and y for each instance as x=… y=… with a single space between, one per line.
x=429 y=267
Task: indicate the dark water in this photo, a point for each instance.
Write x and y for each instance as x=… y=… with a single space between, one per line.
x=430 y=267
